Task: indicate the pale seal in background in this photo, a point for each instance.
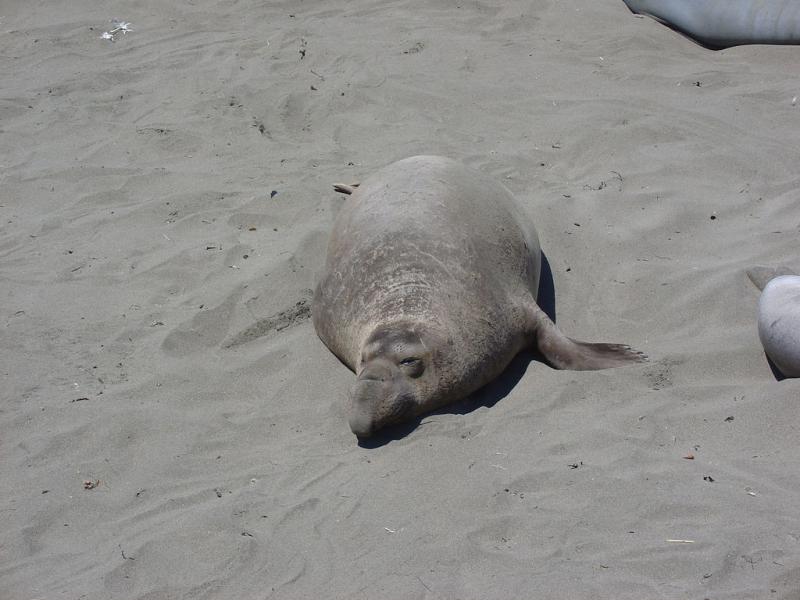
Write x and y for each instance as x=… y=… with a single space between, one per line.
x=723 y=23
x=779 y=317
x=429 y=291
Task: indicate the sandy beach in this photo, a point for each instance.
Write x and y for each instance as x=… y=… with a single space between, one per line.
x=171 y=427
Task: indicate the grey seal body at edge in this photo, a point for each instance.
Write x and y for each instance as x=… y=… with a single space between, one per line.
x=724 y=23
x=429 y=291
x=779 y=317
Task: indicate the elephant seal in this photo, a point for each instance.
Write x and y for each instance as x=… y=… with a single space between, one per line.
x=779 y=317
x=724 y=23
x=429 y=290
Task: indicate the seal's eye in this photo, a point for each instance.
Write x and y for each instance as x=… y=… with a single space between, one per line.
x=412 y=366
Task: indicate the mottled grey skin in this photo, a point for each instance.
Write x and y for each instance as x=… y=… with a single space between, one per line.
x=724 y=23
x=429 y=291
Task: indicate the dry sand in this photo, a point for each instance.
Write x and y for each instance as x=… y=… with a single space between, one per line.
x=155 y=304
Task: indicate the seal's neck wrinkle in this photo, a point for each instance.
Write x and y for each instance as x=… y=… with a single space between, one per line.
x=403 y=299
x=411 y=292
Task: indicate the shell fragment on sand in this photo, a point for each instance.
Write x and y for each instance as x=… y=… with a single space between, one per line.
x=119 y=26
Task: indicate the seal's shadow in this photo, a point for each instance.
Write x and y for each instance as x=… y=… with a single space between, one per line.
x=776 y=372
x=492 y=392
x=546 y=297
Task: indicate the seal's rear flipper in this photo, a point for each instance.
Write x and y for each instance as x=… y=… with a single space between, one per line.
x=761 y=276
x=565 y=353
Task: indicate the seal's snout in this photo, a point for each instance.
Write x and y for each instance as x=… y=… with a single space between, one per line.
x=381 y=398
x=376 y=371
x=366 y=397
x=361 y=425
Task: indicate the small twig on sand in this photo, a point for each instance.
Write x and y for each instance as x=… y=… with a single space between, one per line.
x=344 y=188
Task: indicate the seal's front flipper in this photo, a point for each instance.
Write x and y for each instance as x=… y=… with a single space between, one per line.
x=565 y=353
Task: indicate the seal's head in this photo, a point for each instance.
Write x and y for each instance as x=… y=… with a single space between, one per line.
x=397 y=377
